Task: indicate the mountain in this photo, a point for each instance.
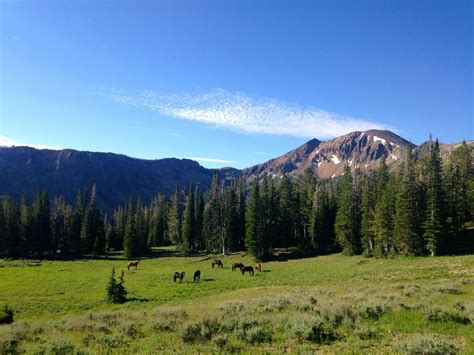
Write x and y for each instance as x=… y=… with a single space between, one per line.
x=327 y=159
x=63 y=172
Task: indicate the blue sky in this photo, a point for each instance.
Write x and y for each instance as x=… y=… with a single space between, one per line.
x=237 y=82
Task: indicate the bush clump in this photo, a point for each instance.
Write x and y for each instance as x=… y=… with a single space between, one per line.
x=111 y=341
x=202 y=331
x=428 y=345
x=9 y=346
x=443 y=315
x=60 y=347
x=316 y=330
x=6 y=315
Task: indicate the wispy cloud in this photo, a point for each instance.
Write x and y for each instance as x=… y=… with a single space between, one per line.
x=9 y=142
x=260 y=153
x=211 y=160
x=240 y=112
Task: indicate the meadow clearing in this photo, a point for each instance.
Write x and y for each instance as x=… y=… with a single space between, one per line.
x=330 y=303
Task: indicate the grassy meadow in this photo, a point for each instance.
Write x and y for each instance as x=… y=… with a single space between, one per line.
x=331 y=304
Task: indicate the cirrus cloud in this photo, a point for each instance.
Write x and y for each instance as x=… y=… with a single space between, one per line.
x=240 y=112
x=9 y=142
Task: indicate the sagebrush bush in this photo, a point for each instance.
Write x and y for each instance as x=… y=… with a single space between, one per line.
x=9 y=346
x=443 y=315
x=365 y=332
x=202 y=331
x=314 y=330
x=256 y=335
x=58 y=347
x=428 y=345
x=373 y=311
x=6 y=315
x=111 y=341
x=131 y=330
x=164 y=326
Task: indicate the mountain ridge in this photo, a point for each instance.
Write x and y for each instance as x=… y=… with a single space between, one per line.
x=117 y=176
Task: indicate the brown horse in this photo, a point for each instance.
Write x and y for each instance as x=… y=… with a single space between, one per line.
x=217 y=263
x=179 y=276
x=258 y=267
x=197 y=275
x=248 y=269
x=237 y=266
x=133 y=264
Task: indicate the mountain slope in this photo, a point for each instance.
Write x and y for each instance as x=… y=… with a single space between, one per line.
x=63 y=172
x=327 y=159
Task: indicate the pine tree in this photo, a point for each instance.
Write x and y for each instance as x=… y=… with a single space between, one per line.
x=130 y=243
x=188 y=233
x=435 y=223
x=254 y=233
x=382 y=223
x=116 y=292
x=346 y=225
x=174 y=218
x=25 y=228
x=11 y=238
x=406 y=236
x=198 y=216
x=367 y=207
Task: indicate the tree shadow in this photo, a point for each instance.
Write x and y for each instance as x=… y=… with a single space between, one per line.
x=208 y=280
x=138 y=299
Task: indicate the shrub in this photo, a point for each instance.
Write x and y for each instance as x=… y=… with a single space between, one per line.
x=336 y=315
x=220 y=341
x=164 y=326
x=428 y=345
x=364 y=332
x=202 y=331
x=116 y=292
x=231 y=307
x=60 y=347
x=373 y=311
x=111 y=341
x=257 y=335
x=131 y=331
x=443 y=315
x=6 y=315
x=316 y=331
x=9 y=346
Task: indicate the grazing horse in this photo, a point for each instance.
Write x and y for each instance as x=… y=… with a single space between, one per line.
x=218 y=263
x=197 y=275
x=237 y=266
x=258 y=267
x=179 y=275
x=133 y=263
x=248 y=269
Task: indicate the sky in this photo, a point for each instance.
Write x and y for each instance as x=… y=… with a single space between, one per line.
x=231 y=83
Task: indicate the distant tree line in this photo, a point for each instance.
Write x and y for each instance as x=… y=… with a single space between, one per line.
x=420 y=210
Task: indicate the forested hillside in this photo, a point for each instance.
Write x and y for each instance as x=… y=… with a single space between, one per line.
x=425 y=208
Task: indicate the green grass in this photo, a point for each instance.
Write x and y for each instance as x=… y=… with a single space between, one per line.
x=371 y=305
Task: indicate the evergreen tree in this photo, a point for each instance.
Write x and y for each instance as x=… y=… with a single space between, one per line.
x=254 y=232
x=25 y=228
x=189 y=228
x=406 y=236
x=198 y=216
x=382 y=222
x=116 y=292
x=174 y=218
x=368 y=202
x=346 y=225
x=435 y=223
x=130 y=242
x=10 y=227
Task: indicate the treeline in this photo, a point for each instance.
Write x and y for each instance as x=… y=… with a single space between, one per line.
x=423 y=209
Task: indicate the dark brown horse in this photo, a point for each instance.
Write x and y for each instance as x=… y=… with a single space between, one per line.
x=248 y=269
x=197 y=275
x=217 y=263
x=179 y=276
x=237 y=266
x=133 y=264
x=258 y=267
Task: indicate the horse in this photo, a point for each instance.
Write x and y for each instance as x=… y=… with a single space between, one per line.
x=248 y=269
x=258 y=267
x=197 y=275
x=133 y=263
x=218 y=263
x=179 y=275
x=237 y=266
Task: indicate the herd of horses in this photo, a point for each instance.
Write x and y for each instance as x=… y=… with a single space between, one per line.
x=197 y=274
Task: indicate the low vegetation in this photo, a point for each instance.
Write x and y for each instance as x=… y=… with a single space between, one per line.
x=330 y=303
